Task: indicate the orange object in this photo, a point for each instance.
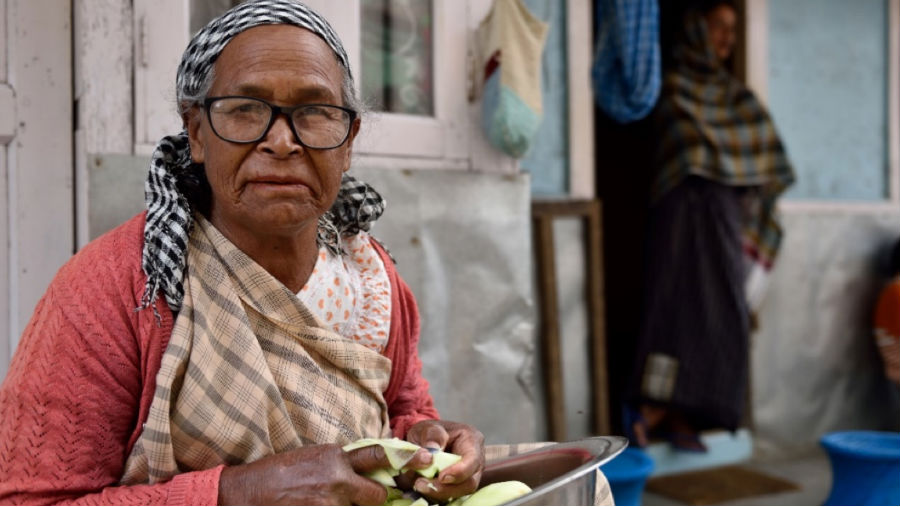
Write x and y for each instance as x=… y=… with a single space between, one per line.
x=887 y=328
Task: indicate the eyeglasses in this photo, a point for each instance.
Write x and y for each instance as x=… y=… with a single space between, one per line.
x=247 y=120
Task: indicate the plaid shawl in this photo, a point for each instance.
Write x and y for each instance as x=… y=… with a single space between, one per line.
x=250 y=372
x=712 y=126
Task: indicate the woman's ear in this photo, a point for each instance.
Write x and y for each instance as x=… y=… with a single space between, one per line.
x=193 y=122
x=354 y=130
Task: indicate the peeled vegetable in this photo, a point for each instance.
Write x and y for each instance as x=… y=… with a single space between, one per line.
x=383 y=476
x=497 y=493
x=400 y=452
x=439 y=461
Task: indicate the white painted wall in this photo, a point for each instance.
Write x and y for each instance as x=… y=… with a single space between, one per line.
x=38 y=198
x=814 y=364
x=815 y=367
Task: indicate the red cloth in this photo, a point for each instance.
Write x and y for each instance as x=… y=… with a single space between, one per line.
x=82 y=379
x=887 y=310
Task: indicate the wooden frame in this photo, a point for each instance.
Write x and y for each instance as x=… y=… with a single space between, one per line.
x=544 y=212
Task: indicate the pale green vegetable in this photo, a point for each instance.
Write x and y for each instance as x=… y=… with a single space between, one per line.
x=398 y=452
x=392 y=494
x=384 y=477
x=497 y=493
x=439 y=461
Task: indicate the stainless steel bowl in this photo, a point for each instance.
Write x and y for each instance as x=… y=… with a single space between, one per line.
x=558 y=474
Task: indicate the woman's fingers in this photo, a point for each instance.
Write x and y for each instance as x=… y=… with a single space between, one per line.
x=429 y=434
x=366 y=492
x=469 y=444
x=436 y=490
x=368 y=459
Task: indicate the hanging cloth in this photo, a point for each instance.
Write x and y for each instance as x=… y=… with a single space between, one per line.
x=626 y=70
x=510 y=43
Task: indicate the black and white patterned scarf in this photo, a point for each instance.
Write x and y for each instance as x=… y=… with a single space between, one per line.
x=169 y=218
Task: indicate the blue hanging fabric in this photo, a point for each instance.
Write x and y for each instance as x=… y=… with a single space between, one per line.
x=626 y=70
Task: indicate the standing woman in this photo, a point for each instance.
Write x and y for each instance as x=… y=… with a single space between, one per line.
x=222 y=346
x=713 y=237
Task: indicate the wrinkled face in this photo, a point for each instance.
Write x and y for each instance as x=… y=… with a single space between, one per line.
x=275 y=185
x=721 y=23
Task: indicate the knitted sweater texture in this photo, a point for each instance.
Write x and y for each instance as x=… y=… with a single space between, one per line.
x=82 y=380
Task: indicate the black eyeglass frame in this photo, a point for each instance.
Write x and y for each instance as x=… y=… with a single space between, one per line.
x=276 y=112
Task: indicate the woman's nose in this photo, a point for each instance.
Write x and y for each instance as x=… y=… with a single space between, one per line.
x=280 y=140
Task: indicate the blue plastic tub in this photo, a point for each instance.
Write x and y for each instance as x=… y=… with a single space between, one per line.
x=865 y=467
x=627 y=473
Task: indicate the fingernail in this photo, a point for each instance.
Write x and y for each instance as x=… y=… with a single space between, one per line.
x=432 y=447
x=448 y=479
x=421 y=486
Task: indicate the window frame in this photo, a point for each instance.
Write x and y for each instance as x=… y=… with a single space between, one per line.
x=453 y=140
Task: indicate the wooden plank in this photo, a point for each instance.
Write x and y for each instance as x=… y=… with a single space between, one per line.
x=161 y=32
x=544 y=213
x=549 y=329
x=556 y=208
x=597 y=312
x=103 y=47
x=40 y=167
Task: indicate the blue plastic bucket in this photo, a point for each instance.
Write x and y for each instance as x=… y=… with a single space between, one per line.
x=865 y=467
x=627 y=473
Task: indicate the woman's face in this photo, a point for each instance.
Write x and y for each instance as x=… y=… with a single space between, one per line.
x=721 y=24
x=273 y=186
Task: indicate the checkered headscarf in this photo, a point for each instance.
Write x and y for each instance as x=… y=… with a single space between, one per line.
x=168 y=209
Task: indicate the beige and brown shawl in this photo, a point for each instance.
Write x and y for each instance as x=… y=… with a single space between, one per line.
x=249 y=371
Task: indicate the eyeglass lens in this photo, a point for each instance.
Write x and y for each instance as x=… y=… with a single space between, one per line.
x=244 y=119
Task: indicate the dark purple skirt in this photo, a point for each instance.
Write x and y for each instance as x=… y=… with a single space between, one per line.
x=692 y=351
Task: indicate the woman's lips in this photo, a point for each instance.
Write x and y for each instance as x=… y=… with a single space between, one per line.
x=279 y=185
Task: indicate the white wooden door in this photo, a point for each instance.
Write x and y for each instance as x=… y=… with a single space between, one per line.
x=7 y=132
x=36 y=171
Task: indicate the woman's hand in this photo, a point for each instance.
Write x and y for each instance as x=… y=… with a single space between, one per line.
x=461 y=478
x=311 y=475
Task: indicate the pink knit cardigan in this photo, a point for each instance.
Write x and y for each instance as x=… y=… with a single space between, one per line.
x=82 y=379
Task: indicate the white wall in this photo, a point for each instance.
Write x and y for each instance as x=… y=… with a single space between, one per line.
x=36 y=196
x=815 y=365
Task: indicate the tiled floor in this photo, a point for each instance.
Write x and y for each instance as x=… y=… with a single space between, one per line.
x=812 y=472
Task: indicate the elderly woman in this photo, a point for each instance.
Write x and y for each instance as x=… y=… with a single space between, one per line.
x=283 y=330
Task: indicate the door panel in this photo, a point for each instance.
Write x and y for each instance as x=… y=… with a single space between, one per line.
x=36 y=170
x=7 y=127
